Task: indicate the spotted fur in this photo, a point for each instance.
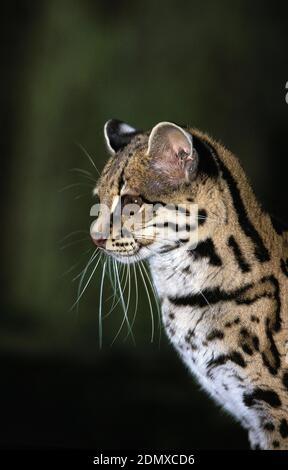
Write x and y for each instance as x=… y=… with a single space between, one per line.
x=224 y=302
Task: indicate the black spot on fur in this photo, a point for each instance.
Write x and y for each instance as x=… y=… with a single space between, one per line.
x=268 y=396
x=246 y=348
x=283 y=429
x=189 y=335
x=234 y=356
x=267 y=363
x=215 y=334
x=206 y=249
x=255 y=342
x=276 y=444
x=202 y=215
x=244 y=332
x=269 y=426
x=285 y=380
x=183 y=240
x=242 y=263
x=254 y=319
x=186 y=270
x=238 y=359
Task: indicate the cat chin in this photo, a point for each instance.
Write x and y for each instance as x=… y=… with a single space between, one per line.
x=140 y=255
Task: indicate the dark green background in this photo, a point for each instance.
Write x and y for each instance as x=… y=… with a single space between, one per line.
x=67 y=67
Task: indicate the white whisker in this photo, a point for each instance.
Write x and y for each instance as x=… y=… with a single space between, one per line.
x=149 y=300
x=80 y=293
x=100 y=304
x=125 y=318
x=88 y=156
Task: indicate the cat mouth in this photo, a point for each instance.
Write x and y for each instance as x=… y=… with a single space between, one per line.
x=125 y=250
x=120 y=249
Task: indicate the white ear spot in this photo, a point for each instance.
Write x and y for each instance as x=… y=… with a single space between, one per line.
x=126 y=129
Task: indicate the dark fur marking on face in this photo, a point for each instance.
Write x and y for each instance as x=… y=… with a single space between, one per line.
x=206 y=249
x=202 y=216
x=183 y=240
x=245 y=223
x=242 y=263
x=268 y=396
x=175 y=227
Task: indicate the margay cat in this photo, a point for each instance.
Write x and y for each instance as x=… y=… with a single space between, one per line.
x=224 y=303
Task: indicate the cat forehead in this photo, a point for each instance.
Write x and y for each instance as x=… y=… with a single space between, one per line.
x=125 y=162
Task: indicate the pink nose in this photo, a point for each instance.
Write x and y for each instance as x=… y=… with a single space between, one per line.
x=101 y=242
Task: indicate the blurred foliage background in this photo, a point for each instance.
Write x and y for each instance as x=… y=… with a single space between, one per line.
x=67 y=67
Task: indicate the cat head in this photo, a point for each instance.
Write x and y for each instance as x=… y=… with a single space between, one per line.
x=152 y=189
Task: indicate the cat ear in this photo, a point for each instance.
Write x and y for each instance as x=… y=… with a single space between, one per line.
x=117 y=135
x=171 y=150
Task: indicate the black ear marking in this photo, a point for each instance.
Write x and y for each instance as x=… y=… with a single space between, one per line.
x=118 y=134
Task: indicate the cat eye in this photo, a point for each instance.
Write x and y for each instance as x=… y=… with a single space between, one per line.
x=131 y=199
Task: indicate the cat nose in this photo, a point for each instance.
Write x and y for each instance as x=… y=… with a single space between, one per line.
x=100 y=242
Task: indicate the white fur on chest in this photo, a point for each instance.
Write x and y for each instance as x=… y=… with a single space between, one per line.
x=196 y=353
